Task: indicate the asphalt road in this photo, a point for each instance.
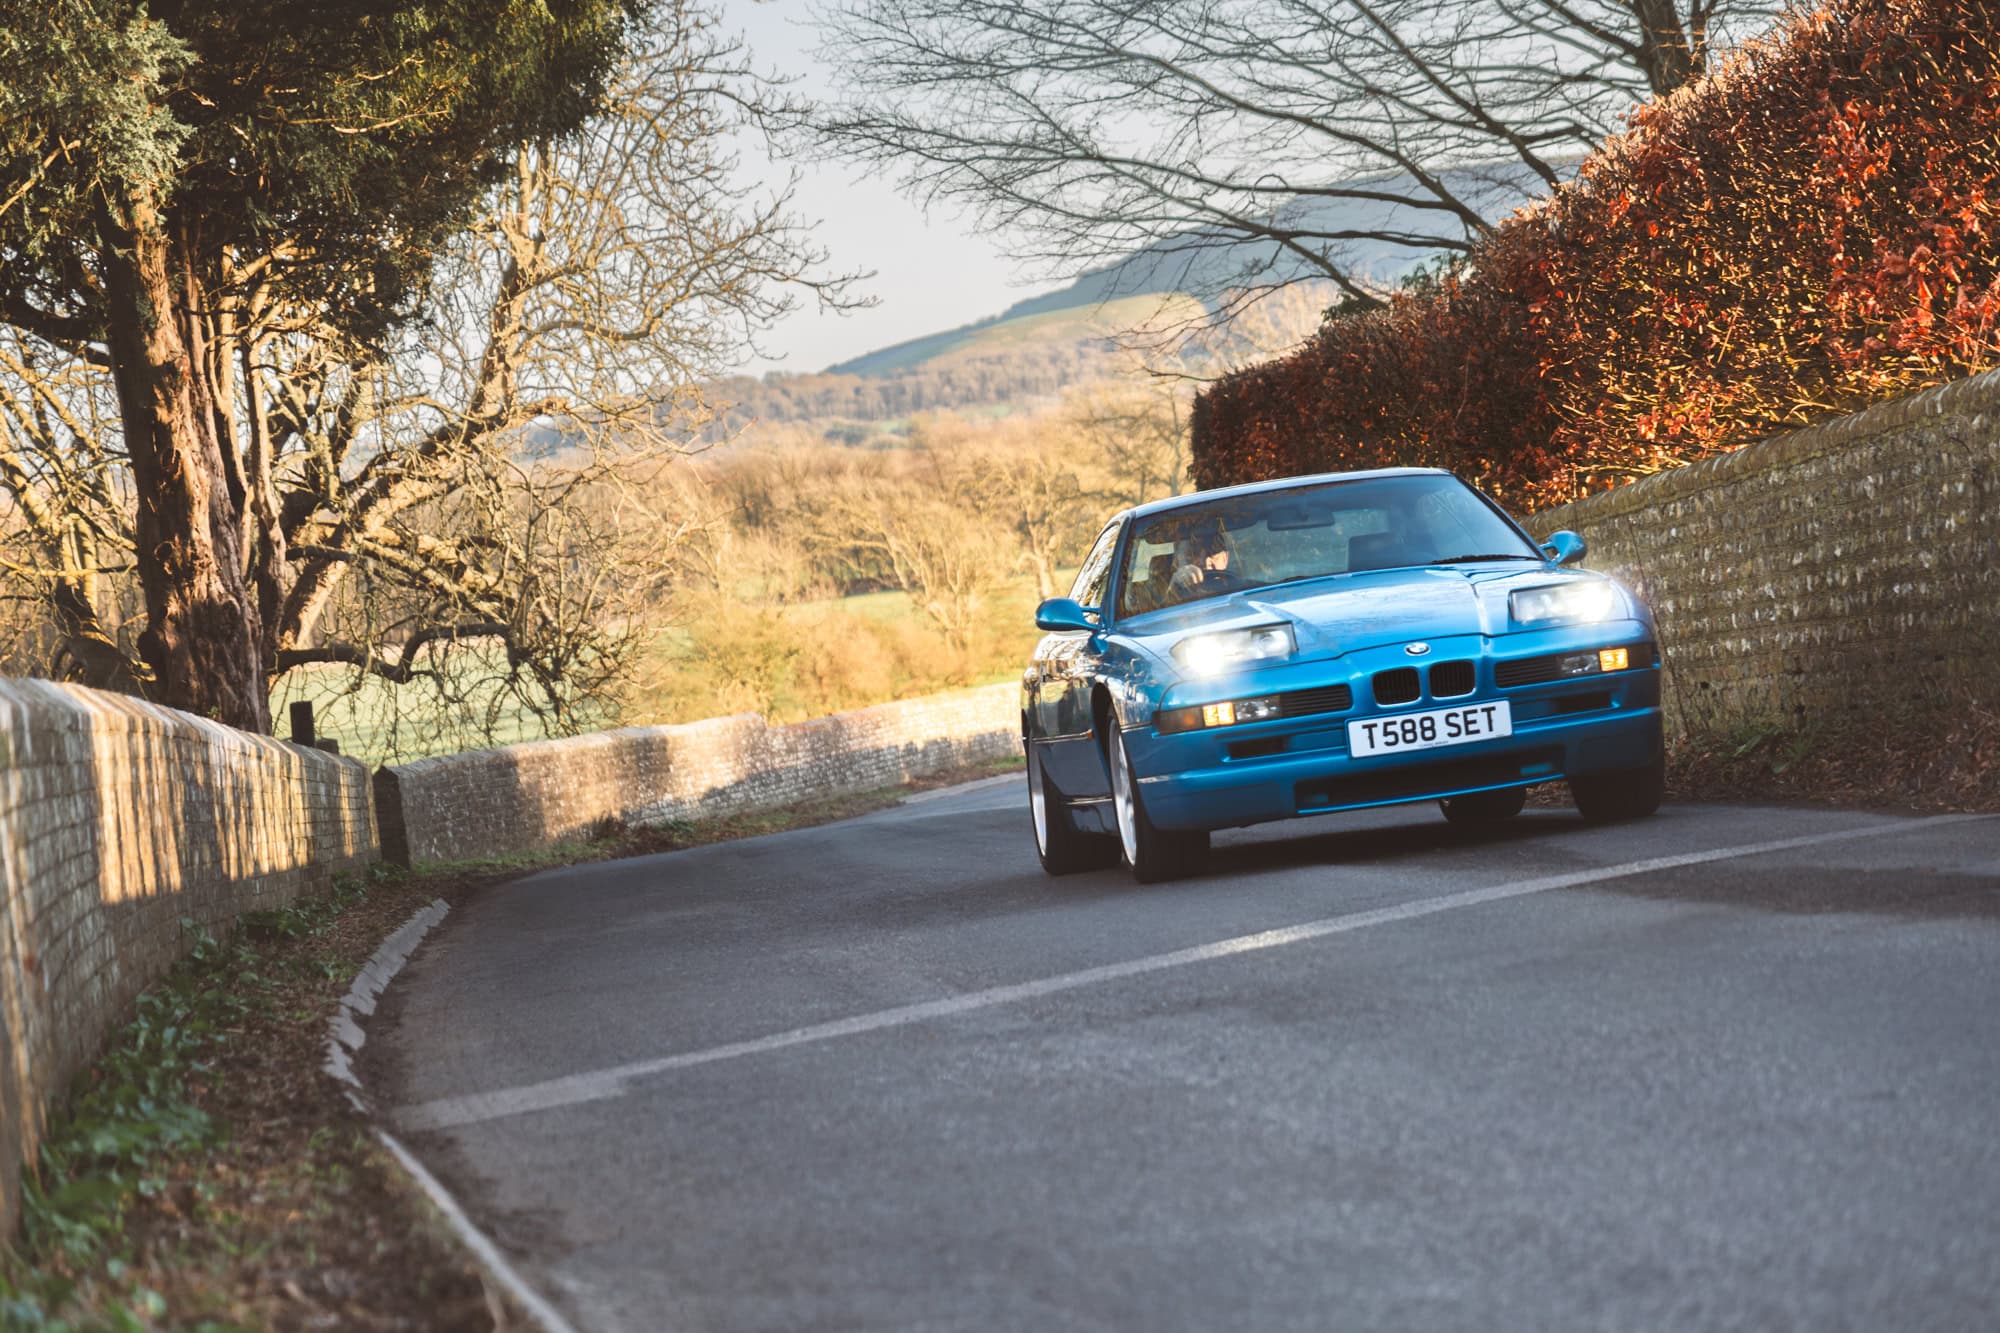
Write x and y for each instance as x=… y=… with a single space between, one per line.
x=1726 y=1068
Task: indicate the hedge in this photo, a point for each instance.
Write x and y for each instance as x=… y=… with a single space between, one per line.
x=1810 y=228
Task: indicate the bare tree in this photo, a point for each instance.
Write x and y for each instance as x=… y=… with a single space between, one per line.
x=1139 y=434
x=1034 y=493
x=572 y=326
x=69 y=553
x=464 y=500
x=946 y=566
x=1249 y=144
x=919 y=525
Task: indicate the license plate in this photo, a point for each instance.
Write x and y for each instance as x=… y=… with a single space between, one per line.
x=1429 y=731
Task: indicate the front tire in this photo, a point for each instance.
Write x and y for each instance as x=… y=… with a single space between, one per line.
x=1153 y=853
x=1061 y=848
x=1629 y=793
x=1484 y=807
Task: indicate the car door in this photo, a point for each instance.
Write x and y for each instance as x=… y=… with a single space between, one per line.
x=1064 y=666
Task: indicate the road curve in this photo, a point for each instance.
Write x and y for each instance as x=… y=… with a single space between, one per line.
x=1724 y=1068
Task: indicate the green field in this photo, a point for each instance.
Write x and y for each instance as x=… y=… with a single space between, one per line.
x=378 y=722
x=789 y=663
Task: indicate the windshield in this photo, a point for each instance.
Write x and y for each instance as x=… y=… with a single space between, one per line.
x=1340 y=527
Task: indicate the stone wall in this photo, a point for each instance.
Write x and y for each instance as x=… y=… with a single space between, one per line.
x=1851 y=568
x=119 y=821
x=525 y=797
x=1846 y=569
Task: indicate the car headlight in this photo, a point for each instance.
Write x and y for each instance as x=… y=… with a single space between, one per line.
x=1212 y=654
x=1565 y=603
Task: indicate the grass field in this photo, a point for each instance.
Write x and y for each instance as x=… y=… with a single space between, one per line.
x=812 y=658
x=378 y=722
x=788 y=662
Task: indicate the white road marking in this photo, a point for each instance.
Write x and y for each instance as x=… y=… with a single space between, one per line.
x=488 y=1254
x=345 y=1034
x=346 y=1039
x=603 y=1084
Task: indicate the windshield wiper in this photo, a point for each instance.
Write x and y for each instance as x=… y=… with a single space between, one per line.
x=1468 y=559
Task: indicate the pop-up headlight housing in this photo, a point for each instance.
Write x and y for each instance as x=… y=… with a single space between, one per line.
x=1578 y=602
x=1224 y=650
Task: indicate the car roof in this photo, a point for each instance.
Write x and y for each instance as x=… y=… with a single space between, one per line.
x=1278 y=484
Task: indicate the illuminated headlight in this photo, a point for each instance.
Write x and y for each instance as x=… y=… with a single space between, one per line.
x=1212 y=654
x=1568 y=603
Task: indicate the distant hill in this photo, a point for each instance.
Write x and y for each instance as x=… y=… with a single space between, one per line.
x=996 y=364
x=1066 y=318
x=1204 y=269
x=1047 y=344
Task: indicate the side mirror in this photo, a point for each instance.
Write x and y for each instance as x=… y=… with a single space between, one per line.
x=1060 y=613
x=1565 y=547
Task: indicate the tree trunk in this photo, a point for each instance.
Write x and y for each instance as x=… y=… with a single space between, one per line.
x=266 y=532
x=1664 y=48
x=203 y=637
x=87 y=653
x=1045 y=572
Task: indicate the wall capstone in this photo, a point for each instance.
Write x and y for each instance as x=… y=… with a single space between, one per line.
x=535 y=795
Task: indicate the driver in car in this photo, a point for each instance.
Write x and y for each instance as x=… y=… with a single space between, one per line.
x=1201 y=566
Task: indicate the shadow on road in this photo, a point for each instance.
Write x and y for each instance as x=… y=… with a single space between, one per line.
x=1820 y=890
x=1817 y=889
x=1374 y=846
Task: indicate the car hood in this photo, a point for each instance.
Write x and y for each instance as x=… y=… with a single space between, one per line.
x=1352 y=611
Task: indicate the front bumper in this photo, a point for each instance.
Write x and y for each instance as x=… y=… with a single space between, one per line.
x=1255 y=772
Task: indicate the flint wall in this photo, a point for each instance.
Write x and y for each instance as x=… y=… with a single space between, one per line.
x=125 y=828
x=1850 y=569
x=535 y=795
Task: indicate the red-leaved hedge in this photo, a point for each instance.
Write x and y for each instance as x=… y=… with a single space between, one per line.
x=1813 y=227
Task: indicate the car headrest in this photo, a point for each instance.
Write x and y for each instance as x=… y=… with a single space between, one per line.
x=1376 y=550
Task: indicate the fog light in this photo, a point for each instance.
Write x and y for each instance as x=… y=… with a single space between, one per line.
x=1218 y=715
x=1256 y=710
x=1580 y=664
x=1611 y=659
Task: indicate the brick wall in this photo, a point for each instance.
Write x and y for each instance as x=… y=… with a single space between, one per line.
x=534 y=795
x=118 y=820
x=1850 y=568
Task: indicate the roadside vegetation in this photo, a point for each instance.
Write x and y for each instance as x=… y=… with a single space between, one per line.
x=447 y=432
x=334 y=342
x=811 y=577
x=789 y=575
x=206 y=1174
x=476 y=469
x=1811 y=228
x=1944 y=754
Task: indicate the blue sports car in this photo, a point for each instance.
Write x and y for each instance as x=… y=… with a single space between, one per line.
x=1328 y=643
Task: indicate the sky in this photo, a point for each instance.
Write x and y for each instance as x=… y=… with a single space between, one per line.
x=932 y=273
